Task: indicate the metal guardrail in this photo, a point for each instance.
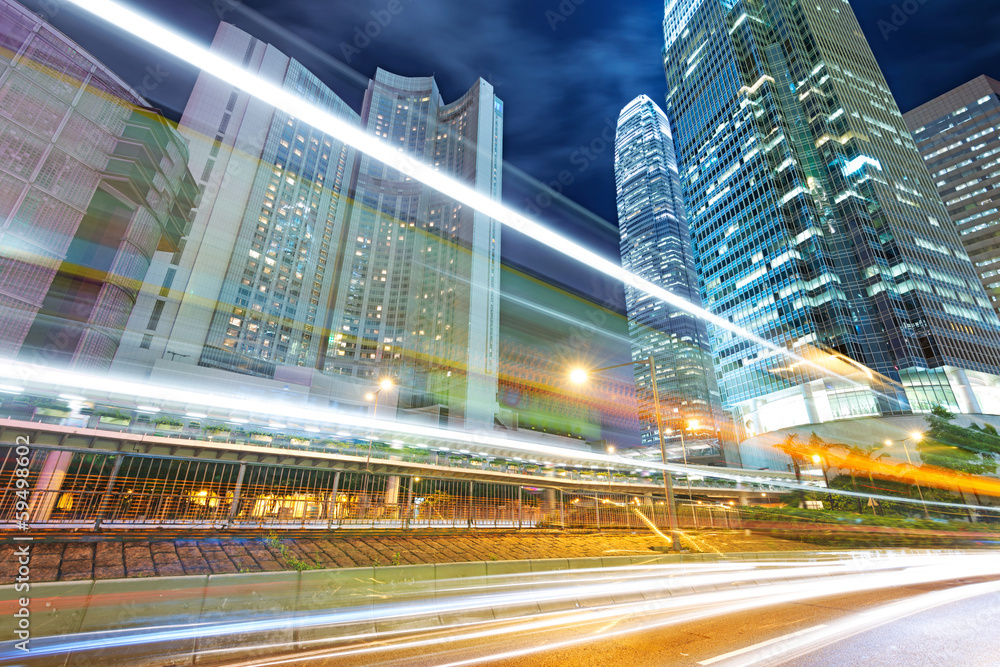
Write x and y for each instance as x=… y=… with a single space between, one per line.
x=385 y=452
x=96 y=489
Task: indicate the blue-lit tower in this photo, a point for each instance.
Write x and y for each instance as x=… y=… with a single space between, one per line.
x=814 y=222
x=656 y=245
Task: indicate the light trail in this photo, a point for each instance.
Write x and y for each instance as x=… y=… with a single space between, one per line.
x=182 y=48
x=800 y=643
x=179 y=46
x=686 y=609
x=719 y=588
x=58 y=381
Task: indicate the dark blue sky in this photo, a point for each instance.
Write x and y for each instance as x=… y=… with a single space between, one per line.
x=563 y=76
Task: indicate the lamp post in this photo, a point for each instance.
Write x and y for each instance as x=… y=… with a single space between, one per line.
x=818 y=460
x=611 y=450
x=693 y=424
x=373 y=396
x=916 y=437
x=580 y=375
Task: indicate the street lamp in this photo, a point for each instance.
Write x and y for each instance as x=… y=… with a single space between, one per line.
x=693 y=424
x=611 y=450
x=917 y=437
x=383 y=384
x=818 y=460
x=580 y=375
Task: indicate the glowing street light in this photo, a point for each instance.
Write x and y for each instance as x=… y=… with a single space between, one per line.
x=693 y=424
x=384 y=385
x=611 y=450
x=580 y=376
x=917 y=436
x=818 y=460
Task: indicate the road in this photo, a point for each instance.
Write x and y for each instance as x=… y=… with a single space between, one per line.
x=951 y=622
x=818 y=608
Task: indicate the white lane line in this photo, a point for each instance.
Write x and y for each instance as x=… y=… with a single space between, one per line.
x=748 y=649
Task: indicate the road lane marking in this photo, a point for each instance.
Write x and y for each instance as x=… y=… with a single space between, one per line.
x=748 y=649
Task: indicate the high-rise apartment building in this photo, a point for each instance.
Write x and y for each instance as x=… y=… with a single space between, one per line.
x=250 y=291
x=815 y=223
x=958 y=134
x=92 y=182
x=316 y=266
x=656 y=246
x=419 y=292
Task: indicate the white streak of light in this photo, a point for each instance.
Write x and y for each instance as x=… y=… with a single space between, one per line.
x=184 y=49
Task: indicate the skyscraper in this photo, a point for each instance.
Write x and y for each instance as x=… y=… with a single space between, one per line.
x=815 y=224
x=958 y=134
x=656 y=246
x=419 y=292
x=92 y=181
x=250 y=290
x=315 y=266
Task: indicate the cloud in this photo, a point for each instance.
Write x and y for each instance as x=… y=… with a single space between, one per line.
x=559 y=86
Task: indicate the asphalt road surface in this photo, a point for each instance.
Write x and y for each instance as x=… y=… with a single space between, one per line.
x=944 y=623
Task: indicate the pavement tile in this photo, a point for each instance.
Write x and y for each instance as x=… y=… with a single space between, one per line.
x=46 y=548
x=162 y=547
x=145 y=569
x=109 y=572
x=270 y=566
x=78 y=552
x=220 y=567
x=169 y=569
x=47 y=561
x=188 y=552
x=165 y=558
x=74 y=567
x=45 y=574
x=108 y=554
x=196 y=566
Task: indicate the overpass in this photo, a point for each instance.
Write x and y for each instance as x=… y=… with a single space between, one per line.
x=129 y=475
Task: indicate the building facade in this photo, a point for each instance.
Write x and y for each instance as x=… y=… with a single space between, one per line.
x=418 y=295
x=320 y=268
x=958 y=134
x=656 y=246
x=92 y=182
x=249 y=292
x=815 y=224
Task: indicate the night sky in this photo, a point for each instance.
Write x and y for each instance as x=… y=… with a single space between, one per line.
x=563 y=76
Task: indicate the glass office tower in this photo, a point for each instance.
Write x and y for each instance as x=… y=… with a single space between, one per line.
x=815 y=223
x=959 y=136
x=656 y=245
x=248 y=291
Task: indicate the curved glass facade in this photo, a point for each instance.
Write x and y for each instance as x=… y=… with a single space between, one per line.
x=92 y=183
